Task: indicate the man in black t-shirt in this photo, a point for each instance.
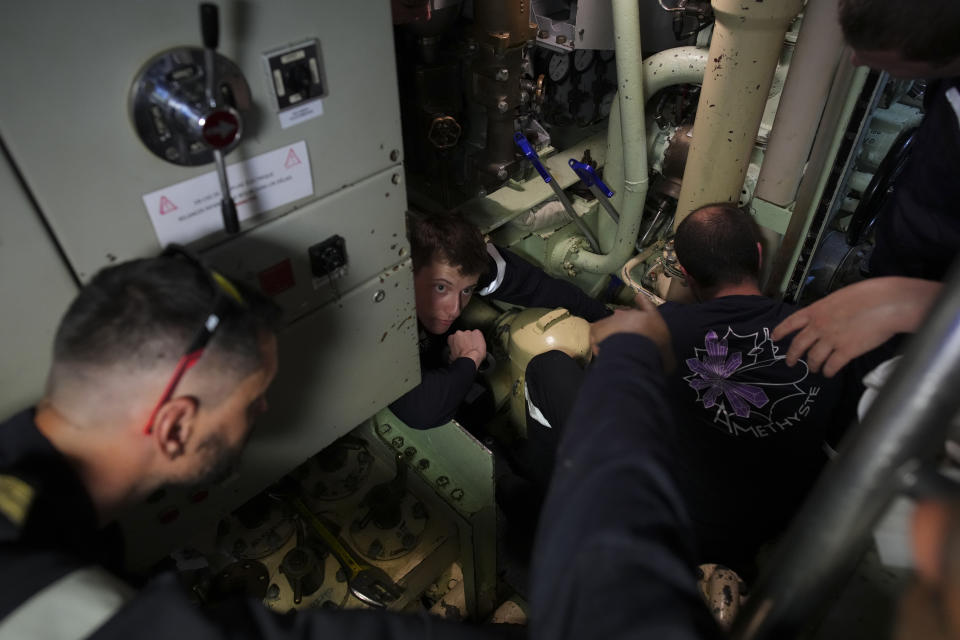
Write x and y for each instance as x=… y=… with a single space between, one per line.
x=749 y=428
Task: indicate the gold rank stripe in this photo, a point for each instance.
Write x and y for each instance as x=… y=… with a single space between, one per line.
x=16 y=497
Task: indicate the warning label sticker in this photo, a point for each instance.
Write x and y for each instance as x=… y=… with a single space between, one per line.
x=189 y=210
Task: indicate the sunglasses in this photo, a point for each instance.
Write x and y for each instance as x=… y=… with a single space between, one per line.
x=226 y=297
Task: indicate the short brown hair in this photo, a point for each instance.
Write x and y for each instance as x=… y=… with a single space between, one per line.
x=446 y=237
x=920 y=31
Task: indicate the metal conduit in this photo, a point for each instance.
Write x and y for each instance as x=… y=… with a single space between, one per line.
x=632 y=129
x=903 y=429
x=680 y=65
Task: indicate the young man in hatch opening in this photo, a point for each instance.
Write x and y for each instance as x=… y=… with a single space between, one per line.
x=451 y=262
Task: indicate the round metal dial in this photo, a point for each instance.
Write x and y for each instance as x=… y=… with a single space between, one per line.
x=582 y=59
x=558 y=66
x=172 y=115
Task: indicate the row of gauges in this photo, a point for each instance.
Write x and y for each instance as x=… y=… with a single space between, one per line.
x=580 y=86
x=342 y=530
x=559 y=64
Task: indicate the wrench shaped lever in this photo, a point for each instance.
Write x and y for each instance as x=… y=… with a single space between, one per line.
x=600 y=191
x=369 y=584
x=528 y=150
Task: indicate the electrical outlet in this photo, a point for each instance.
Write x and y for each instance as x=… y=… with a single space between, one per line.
x=328 y=259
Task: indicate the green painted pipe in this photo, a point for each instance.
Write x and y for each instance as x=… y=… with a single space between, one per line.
x=626 y=166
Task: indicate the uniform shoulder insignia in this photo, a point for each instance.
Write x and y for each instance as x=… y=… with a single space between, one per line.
x=16 y=496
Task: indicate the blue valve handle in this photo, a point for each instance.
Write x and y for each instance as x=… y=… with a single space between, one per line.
x=528 y=151
x=589 y=176
x=593 y=182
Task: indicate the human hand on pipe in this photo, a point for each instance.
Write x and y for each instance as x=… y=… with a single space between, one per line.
x=644 y=321
x=856 y=319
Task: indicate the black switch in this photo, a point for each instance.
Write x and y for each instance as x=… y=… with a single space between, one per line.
x=296 y=74
x=328 y=256
x=297 y=78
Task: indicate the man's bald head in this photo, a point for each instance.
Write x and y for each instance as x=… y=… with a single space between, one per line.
x=717 y=246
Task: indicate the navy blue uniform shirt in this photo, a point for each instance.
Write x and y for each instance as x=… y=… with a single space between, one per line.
x=614 y=554
x=918 y=229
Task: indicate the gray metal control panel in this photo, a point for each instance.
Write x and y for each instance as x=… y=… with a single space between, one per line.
x=115 y=119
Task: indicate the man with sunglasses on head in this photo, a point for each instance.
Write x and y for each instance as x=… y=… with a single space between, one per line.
x=159 y=368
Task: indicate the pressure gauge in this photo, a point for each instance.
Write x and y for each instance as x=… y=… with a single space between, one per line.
x=558 y=67
x=582 y=59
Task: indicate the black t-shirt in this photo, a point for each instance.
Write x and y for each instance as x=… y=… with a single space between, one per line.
x=749 y=428
x=918 y=229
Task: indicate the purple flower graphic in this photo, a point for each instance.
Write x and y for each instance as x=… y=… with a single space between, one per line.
x=714 y=371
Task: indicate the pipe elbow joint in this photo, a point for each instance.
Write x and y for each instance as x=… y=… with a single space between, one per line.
x=562 y=256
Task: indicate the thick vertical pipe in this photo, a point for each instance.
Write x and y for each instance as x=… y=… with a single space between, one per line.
x=905 y=426
x=680 y=65
x=747 y=39
x=633 y=136
x=815 y=59
x=627 y=140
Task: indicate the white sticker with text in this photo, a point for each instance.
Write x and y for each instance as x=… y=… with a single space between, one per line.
x=301 y=113
x=189 y=210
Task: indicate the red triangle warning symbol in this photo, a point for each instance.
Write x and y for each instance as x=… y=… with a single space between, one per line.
x=166 y=206
x=292 y=160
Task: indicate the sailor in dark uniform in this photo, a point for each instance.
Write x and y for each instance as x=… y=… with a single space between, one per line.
x=159 y=368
